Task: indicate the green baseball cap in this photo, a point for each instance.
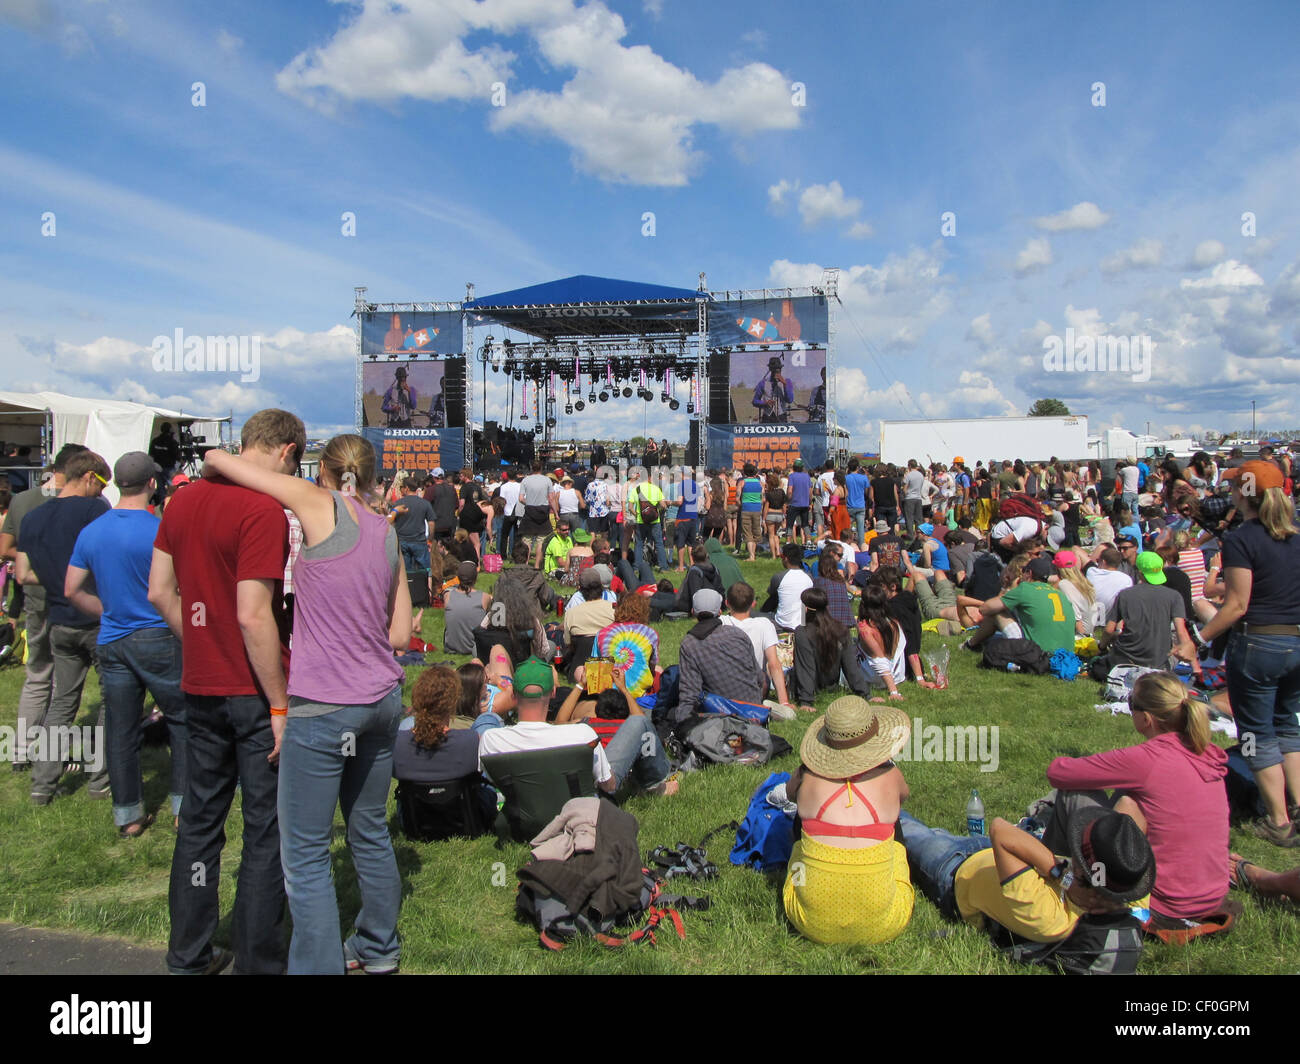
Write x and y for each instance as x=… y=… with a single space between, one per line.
x=1151 y=566
x=581 y=535
x=534 y=673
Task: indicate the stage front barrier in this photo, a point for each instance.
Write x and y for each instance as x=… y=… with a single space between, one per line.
x=767 y=446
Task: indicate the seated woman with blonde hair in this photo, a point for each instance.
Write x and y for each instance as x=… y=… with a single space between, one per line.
x=848 y=877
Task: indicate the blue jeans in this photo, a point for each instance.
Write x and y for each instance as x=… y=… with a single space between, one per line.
x=635 y=753
x=343 y=758
x=1263 y=673
x=934 y=856
x=415 y=555
x=858 y=518
x=653 y=532
x=146 y=660
x=229 y=740
x=497 y=524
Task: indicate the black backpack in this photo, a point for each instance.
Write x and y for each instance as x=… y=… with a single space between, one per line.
x=1100 y=944
x=1025 y=654
x=985 y=579
x=432 y=812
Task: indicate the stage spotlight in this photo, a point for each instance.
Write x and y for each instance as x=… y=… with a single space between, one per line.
x=627 y=393
x=550 y=422
x=537 y=430
x=604 y=396
x=579 y=406
x=690 y=408
x=673 y=404
x=568 y=409
x=591 y=398
x=664 y=397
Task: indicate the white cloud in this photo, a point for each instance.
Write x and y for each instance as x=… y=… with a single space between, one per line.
x=818 y=203
x=628 y=114
x=860 y=231
x=1143 y=255
x=981 y=331
x=1081 y=216
x=1207 y=253
x=756 y=39
x=1036 y=254
x=36 y=15
x=228 y=42
x=1229 y=274
x=776 y=193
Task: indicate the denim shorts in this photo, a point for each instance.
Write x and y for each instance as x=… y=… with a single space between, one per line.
x=1263 y=673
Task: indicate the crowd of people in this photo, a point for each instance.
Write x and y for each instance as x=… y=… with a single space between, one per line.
x=205 y=595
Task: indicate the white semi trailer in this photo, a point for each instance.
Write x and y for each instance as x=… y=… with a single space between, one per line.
x=1032 y=438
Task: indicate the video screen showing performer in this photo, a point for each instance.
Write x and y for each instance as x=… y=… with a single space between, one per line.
x=778 y=388
x=408 y=395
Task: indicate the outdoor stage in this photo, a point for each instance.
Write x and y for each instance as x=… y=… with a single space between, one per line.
x=753 y=370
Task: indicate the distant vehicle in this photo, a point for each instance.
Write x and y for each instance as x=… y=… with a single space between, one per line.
x=1035 y=439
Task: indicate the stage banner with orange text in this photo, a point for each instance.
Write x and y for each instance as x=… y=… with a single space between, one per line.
x=766 y=446
x=416 y=450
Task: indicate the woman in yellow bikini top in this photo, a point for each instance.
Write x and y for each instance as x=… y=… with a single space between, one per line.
x=848 y=878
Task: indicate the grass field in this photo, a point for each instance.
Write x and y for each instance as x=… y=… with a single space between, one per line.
x=63 y=866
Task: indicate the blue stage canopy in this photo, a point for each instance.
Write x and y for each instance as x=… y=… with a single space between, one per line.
x=590 y=306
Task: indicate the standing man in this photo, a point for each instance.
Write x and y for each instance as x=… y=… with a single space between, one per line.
x=857 y=497
x=535 y=503
x=412 y=521
x=645 y=507
x=38 y=683
x=774 y=394
x=508 y=491
x=45 y=545
x=445 y=503
x=166 y=452
x=217 y=578
x=913 y=496
x=598 y=458
x=137 y=652
x=399 y=401
x=800 y=499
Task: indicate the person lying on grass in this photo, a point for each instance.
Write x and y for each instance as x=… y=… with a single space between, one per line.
x=1012 y=879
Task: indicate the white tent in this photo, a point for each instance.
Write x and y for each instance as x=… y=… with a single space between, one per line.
x=110 y=427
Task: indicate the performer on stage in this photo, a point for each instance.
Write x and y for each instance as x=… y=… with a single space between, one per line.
x=774 y=394
x=598 y=458
x=399 y=401
x=817 y=404
x=438 y=415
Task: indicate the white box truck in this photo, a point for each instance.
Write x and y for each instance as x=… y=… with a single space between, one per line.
x=1034 y=439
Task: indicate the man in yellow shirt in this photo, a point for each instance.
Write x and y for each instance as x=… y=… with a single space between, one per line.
x=645 y=500
x=1011 y=879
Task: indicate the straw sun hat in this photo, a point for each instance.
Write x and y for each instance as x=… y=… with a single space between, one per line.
x=853 y=737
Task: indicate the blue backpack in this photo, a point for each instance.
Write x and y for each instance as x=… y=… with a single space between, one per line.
x=766 y=835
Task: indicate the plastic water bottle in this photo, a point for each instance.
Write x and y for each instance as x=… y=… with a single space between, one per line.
x=1012 y=667
x=975 y=815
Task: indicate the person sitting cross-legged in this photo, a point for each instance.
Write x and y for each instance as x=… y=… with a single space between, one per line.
x=715 y=658
x=1042 y=611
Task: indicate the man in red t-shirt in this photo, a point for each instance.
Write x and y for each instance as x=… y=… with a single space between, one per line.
x=217 y=579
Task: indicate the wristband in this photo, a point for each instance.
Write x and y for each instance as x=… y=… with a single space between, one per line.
x=279 y=711
x=1196 y=635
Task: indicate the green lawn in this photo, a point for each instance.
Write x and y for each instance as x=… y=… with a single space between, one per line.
x=63 y=866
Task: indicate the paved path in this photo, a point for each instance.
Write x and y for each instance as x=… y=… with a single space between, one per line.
x=35 y=951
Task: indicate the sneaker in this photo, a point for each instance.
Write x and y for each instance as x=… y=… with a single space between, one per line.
x=41 y=798
x=99 y=794
x=778 y=711
x=21 y=766
x=221 y=958
x=354 y=963
x=1264 y=828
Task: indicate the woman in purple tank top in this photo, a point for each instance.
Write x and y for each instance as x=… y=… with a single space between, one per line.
x=352 y=611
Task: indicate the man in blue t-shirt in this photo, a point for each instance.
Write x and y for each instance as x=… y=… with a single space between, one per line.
x=108 y=577
x=45 y=544
x=687 y=528
x=857 y=498
x=799 y=490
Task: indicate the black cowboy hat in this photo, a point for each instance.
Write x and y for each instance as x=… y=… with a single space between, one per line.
x=1112 y=853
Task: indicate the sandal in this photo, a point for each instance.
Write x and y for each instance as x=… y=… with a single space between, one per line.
x=1239 y=879
x=126 y=832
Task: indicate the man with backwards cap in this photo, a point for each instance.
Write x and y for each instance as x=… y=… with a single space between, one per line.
x=634 y=753
x=137 y=652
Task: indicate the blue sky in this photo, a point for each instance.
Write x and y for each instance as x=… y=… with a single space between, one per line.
x=1117 y=220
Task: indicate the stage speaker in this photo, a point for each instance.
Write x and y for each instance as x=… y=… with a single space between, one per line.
x=693 y=444
x=454 y=387
x=490 y=431
x=720 y=388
